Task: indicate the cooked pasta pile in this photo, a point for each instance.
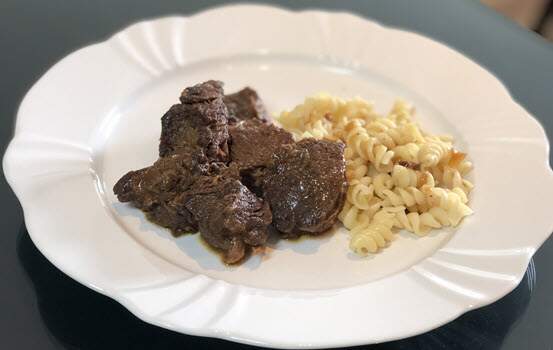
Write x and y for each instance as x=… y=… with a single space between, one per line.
x=400 y=177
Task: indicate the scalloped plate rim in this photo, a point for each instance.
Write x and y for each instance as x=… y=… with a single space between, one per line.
x=248 y=338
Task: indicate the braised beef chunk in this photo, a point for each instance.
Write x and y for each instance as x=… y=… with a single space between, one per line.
x=155 y=188
x=198 y=124
x=245 y=104
x=306 y=186
x=203 y=92
x=253 y=143
x=224 y=170
x=228 y=172
x=230 y=217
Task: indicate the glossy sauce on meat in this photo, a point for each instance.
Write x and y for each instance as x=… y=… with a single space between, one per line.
x=229 y=215
x=226 y=171
x=252 y=146
x=306 y=186
x=155 y=188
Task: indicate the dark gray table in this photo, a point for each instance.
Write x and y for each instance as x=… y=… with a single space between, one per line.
x=43 y=309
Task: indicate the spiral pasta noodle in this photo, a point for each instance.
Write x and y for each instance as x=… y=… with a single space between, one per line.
x=401 y=112
x=370 y=239
x=408 y=152
x=421 y=224
x=432 y=152
x=453 y=202
x=403 y=176
x=399 y=176
x=381 y=183
x=375 y=235
x=409 y=197
x=361 y=192
x=404 y=134
x=355 y=168
x=352 y=216
x=368 y=148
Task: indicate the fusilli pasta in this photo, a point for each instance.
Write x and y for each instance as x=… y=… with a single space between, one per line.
x=404 y=177
x=433 y=151
x=400 y=177
x=368 y=148
x=408 y=152
x=370 y=238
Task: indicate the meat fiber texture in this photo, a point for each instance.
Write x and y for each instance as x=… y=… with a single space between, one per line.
x=306 y=186
x=228 y=172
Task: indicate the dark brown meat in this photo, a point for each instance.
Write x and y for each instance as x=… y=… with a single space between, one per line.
x=245 y=104
x=306 y=186
x=230 y=217
x=155 y=188
x=253 y=143
x=198 y=124
x=204 y=92
x=252 y=146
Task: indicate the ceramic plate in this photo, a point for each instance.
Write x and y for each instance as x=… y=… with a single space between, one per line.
x=96 y=114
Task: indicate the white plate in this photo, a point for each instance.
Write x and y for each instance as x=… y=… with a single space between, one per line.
x=96 y=114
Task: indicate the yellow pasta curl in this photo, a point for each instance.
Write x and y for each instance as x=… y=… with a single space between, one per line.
x=420 y=224
x=376 y=235
x=398 y=175
x=433 y=151
x=408 y=152
x=404 y=177
x=368 y=148
x=360 y=193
